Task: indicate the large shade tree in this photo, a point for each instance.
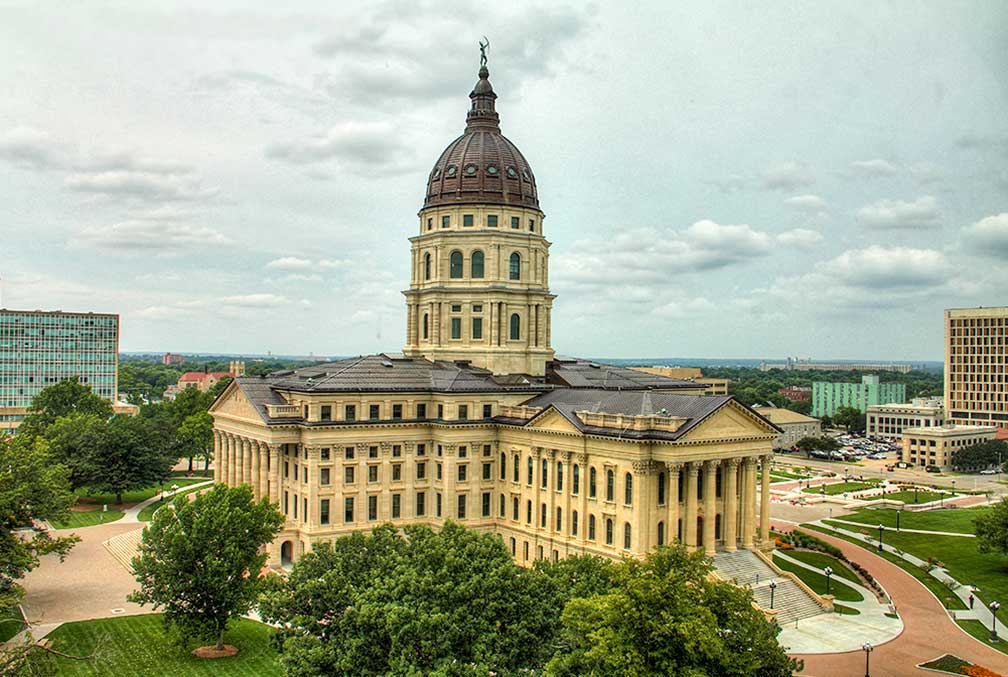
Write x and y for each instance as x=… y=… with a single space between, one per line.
x=62 y=399
x=992 y=528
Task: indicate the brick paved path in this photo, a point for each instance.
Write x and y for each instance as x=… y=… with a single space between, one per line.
x=928 y=630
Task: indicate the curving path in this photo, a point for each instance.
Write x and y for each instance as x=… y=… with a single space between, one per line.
x=928 y=630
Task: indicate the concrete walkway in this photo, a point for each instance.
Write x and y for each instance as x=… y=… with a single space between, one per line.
x=131 y=515
x=909 y=531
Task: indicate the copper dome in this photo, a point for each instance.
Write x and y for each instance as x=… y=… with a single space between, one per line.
x=482 y=166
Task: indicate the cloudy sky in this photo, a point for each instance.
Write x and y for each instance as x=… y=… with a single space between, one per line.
x=720 y=179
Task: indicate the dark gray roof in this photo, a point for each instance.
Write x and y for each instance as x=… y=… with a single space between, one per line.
x=259 y=393
x=577 y=373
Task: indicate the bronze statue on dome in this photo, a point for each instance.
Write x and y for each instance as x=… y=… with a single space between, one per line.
x=484 y=45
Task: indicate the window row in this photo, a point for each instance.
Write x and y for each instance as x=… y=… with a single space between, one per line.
x=468 y=220
x=374 y=412
x=477 y=265
x=476 y=331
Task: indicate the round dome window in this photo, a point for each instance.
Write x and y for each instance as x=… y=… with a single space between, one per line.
x=470 y=170
x=512 y=172
x=492 y=170
x=450 y=171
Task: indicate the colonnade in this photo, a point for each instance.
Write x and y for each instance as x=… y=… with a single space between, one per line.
x=242 y=460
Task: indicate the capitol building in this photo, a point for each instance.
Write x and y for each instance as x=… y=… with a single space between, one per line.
x=477 y=420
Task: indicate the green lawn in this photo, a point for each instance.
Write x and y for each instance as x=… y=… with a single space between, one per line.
x=839 y=488
x=957 y=520
x=817 y=582
x=908 y=496
x=138 y=645
x=944 y=595
x=147 y=514
x=89 y=518
x=11 y=623
x=845 y=610
x=982 y=632
x=137 y=495
x=822 y=560
x=195 y=473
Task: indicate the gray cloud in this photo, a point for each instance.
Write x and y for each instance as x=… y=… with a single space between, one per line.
x=149 y=237
x=873 y=168
x=788 y=176
x=923 y=212
x=989 y=236
x=30 y=148
x=800 y=238
x=355 y=145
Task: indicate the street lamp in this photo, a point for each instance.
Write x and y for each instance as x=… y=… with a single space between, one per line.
x=953 y=488
x=898 y=512
x=829 y=572
x=880 y=527
x=867 y=648
x=772 y=586
x=994 y=606
x=915 y=493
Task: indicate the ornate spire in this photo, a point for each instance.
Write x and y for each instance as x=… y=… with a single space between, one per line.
x=482 y=113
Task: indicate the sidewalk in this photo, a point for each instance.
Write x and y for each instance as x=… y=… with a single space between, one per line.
x=132 y=514
x=909 y=531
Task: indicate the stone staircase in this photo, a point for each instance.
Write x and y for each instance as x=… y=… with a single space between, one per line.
x=744 y=568
x=124 y=547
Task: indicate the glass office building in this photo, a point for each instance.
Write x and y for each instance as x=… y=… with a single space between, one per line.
x=40 y=348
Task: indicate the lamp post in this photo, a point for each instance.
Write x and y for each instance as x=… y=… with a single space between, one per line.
x=880 y=528
x=915 y=493
x=772 y=586
x=953 y=488
x=994 y=606
x=867 y=648
x=829 y=572
x=898 y=512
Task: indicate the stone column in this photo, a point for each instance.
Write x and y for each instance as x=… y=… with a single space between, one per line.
x=764 y=513
x=645 y=537
x=263 y=471
x=232 y=459
x=246 y=446
x=583 y=515
x=729 y=520
x=749 y=500
x=710 y=506
x=274 y=473
x=690 y=516
x=254 y=477
x=217 y=460
x=672 y=526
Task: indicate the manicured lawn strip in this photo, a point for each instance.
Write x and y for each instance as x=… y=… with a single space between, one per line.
x=839 y=488
x=948 y=663
x=197 y=474
x=982 y=632
x=957 y=520
x=944 y=595
x=817 y=582
x=89 y=518
x=138 y=645
x=11 y=623
x=147 y=514
x=138 y=495
x=908 y=496
x=845 y=610
x=822 y=560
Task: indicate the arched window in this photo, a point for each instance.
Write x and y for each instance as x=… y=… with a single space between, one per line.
x=661 y=488
x=626 y=535
x=591 y=483
x=628 y=490
x=531 y=469
x=516 y=467
x=515 y=327
x=544 y=478
x=426 y=326
x=591 y=527
x=455 y=261
x=476 y=264
x=574 y=524
x=608 y=532
x=426 y=266
x=576 y=480
x=610 y=485
x=661 y=533
x=514 y=269
x=559 y=476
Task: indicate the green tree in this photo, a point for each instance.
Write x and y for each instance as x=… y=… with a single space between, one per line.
x=809 y=444
x=992 y=528
x=195 y=436
x=135 y=457
x=666 y=616
x=800 y=406
x=75 y=440
x=989 y=454
x=201 y=561
x=62 y=399
x=850 y=418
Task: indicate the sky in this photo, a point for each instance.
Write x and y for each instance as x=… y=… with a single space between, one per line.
x=720 y=179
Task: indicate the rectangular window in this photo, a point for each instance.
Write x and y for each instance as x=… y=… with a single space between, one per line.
x=486 y=449
x=304 y=511
x=396 y=507
x=396 y=412
x=326 y=412
x=492 y=221
x=421 y=449
x=421 y=471
x=348 y=475
x=461 y=507
x=324 y=511
x=305 y=473
x=486 y=504
x=515 y=223
x=372 y=474
x=348 y=453
x=456 y=328
x=421 y=411
x=430 y=223
x=462 y=452
x=467 y=220
x=372 y=508
x=324 y=476
x=372 y=452
x=396 y=472
x=477 y=327
x=440 y=411
x=437 y=472
x=445 y=221
x=324 y=454
x=486 y=471
x=350 y=412
x=462 y=473
x=421 y=507
x=437 y=505
x=477 y=308
x=487 y=411
x=286 y=500
x=396 y=451
x=286 y=470
x=348 y=510
x=463 y=412
x=374 y=412
x=532 y=225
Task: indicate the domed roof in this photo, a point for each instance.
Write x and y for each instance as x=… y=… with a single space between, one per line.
x=482 y=166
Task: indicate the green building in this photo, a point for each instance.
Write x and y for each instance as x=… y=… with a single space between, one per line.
x=828 y=397
x=40 y=348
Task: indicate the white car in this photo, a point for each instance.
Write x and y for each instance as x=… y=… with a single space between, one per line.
x=989 y=471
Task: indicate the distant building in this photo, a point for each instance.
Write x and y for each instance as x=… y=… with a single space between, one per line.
x=712 y=386
x=794 y=364
x=41 y=348
x=976 y=366
x=889 y=420
x=828 y=397
x=793 y=425
x=236 y=368
x=203 y=380
x=796 y=393
x=171 y=358
x=935 y=445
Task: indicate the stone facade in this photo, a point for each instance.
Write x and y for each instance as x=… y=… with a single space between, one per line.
x=793 y=425
x=976 y=366
x=936 y=445
x=889 y=420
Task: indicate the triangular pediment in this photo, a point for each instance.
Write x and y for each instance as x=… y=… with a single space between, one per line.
x=553 y=420
x=731 y=420
x=233 y=403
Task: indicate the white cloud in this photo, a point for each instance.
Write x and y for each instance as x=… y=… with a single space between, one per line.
x=879 y=268
x=140 y=185
x=149 y=236
x=895 y=214
x=873 y=168
x=30 y=148
x=353 y=144
x=289 y=263
x=989 y=235
x=255 y=300
x=802 y=238
x=788 y=176
x=684 y=308
x=806 y=203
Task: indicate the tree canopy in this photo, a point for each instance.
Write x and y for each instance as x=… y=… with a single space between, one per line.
x=62 y=399
x=810 y=443
x=992 y=528
x=201 y=560
x=850 y=418
x=989 y=454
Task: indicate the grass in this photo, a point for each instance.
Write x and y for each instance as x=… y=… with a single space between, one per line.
x=845 y=610
x=956 y=520
x=944 y=595
x=839 y=488
x=138 y=645
x=982 y=632
x=137 y=495
x=89 y=518
x=208 y=474
x=947 y=663
x=817 y=582
x=822 y=560
x=908 y=496
x=11 y=622
x=147 y=514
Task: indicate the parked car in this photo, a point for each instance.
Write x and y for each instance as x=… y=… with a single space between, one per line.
x=989 y=471
x=932 y=468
